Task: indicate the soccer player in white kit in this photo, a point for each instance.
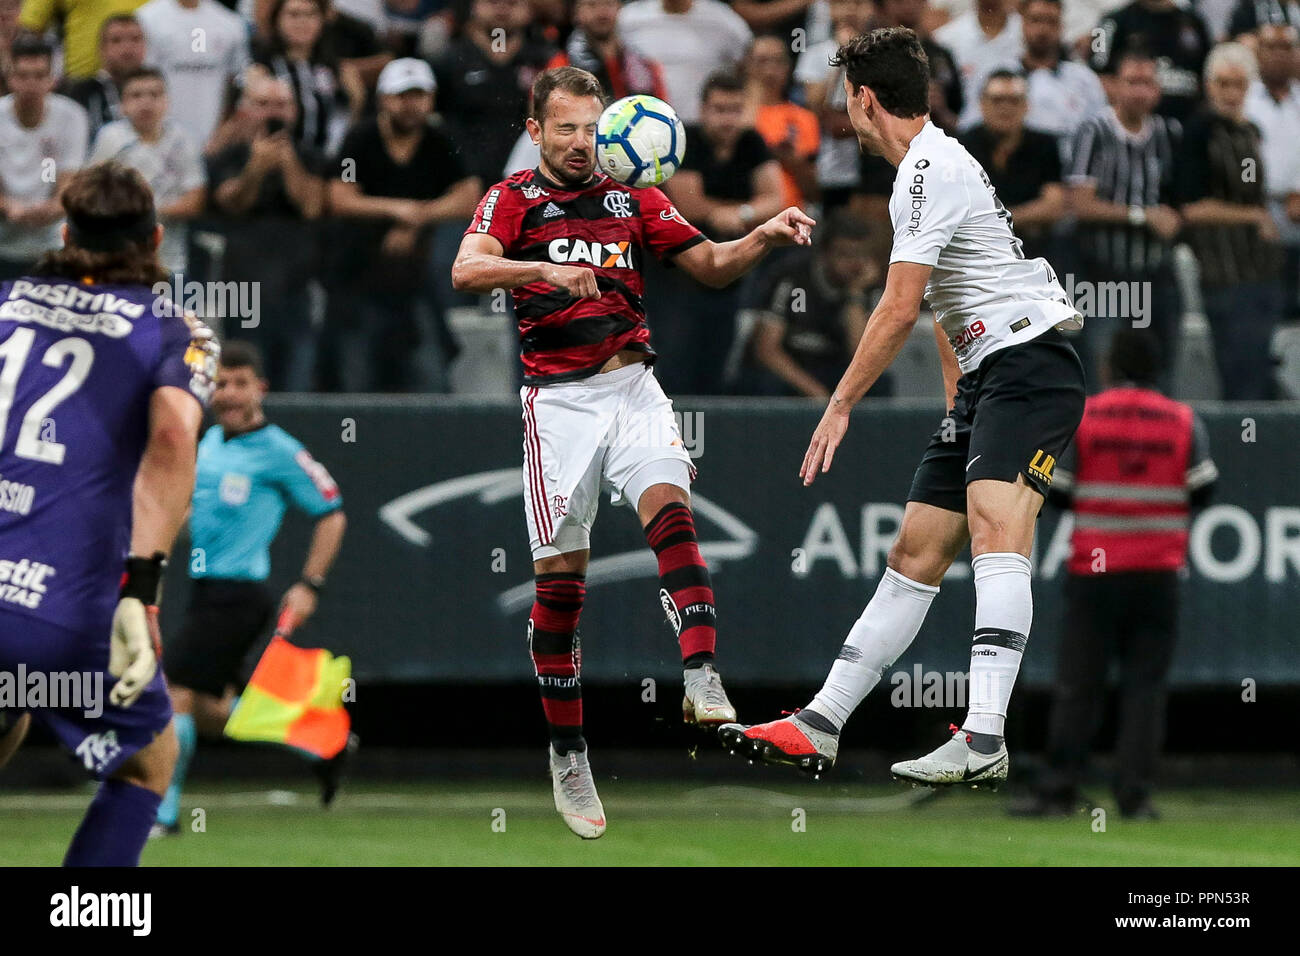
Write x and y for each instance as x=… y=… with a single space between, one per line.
x=570 y=244
x=1017 y=393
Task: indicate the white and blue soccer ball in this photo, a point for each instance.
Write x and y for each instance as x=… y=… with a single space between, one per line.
x=640 y=141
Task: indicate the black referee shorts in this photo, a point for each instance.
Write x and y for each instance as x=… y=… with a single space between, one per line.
x=1014 y=415
x=224 y=621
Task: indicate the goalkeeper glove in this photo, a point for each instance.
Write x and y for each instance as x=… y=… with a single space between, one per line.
x=136 y=645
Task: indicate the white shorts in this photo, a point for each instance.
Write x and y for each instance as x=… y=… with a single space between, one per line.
x=613 y=430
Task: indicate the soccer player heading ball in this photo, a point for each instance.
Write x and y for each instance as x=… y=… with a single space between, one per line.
x=1017 y=393
x=571 y=244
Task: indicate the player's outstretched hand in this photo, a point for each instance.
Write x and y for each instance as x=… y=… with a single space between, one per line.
x=789 y=226
x=575 y=280
x=133 y=650
x=821 y=450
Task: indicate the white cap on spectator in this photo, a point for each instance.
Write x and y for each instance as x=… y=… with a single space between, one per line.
x=405 y=74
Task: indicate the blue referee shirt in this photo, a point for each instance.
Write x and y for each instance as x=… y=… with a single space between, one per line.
x=241 y=490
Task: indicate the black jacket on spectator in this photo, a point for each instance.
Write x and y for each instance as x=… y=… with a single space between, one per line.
x=485 y=103
x=1030 y=166
x=1178 y=35
x=1220 y=159
x=270 y=243
x=731 y=180
x=434 y=168
x=797 y=291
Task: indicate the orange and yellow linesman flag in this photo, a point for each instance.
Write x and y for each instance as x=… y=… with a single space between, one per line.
x=294 y=697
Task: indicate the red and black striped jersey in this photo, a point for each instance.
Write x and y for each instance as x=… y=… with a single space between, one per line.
x=605 y=226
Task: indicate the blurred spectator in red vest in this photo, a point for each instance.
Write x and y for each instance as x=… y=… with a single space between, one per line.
x=1139 y=464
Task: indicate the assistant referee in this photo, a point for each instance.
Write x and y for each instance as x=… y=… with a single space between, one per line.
x=249 y=472
x=1139 y=467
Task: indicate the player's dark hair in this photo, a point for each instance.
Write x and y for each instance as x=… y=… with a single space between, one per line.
x=111 y=218
x=27 y=45
x=564 y=79
x=143 y=73
x=723 y=80
x=236 y=353
x=892 y=64
x=1134 y=356
x=113 y=21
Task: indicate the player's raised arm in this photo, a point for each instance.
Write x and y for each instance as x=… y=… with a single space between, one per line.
x=718 y=264
x=887 y=329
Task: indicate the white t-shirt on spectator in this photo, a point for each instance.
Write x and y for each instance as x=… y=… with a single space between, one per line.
x=525 y=154
x=977 y=54
x=1059 y=100
x=199 y=50
x=708 y=37
x=1279 y=131
x=172 y=167
x=1078 y=17
x=31 y=160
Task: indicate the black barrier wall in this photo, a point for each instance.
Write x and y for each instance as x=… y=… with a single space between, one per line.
x=434 y=581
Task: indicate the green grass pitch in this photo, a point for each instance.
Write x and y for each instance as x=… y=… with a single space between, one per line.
x=514 y=823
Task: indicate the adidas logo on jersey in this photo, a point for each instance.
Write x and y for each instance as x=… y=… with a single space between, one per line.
x=551 y=211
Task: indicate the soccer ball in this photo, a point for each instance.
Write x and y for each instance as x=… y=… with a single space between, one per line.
x=640 y=141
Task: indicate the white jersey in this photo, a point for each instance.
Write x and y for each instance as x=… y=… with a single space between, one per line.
x=984 y=292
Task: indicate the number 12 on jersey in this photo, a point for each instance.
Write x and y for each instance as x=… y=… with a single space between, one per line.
x=14 y=352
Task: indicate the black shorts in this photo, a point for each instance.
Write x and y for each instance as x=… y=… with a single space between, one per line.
x=1014 y=415
x=224 y=621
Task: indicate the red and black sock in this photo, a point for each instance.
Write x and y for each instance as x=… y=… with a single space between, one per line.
x=684 y=588
x=557 y=656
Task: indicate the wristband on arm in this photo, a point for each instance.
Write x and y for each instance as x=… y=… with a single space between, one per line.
x=142 y=579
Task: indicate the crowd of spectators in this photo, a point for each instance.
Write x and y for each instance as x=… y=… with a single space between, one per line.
x=331 y=151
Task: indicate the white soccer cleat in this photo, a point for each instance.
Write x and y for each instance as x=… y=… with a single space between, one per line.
x=706 y=702
x=790 y=740
x=956 y=762
x=575 y=794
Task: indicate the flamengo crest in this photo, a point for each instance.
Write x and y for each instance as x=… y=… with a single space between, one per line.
x=619 y=205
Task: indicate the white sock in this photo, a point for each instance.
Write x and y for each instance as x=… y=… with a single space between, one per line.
x=886 y=628
x=1004 y=609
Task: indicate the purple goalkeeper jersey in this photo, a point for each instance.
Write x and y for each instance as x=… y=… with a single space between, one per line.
x=78 y=364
